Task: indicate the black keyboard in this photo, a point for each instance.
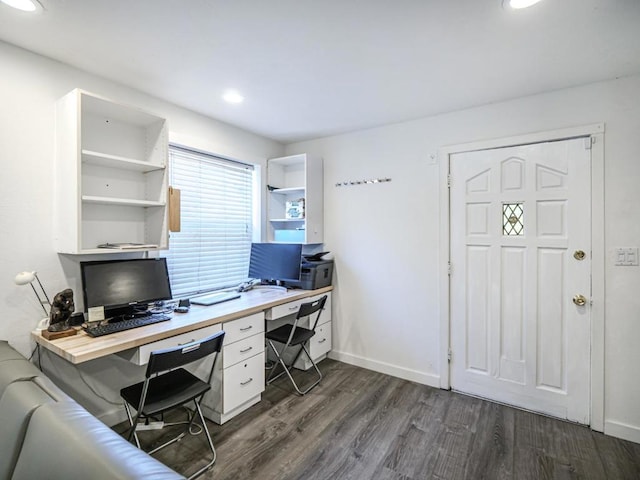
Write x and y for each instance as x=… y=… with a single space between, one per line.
x=128 y=324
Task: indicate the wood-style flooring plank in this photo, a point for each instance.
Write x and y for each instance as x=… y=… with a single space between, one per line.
x=491 y=452
x=299 y=420
x=619 y=458
x=352 y=440
x=359 y=424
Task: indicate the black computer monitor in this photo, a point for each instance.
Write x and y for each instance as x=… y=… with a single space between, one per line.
x=275 y=262
x=124 y=286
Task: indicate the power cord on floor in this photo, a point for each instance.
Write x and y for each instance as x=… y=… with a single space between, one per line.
x=192 y=431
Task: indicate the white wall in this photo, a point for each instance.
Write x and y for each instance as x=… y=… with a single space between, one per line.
x=31 y=84
x=386 y=236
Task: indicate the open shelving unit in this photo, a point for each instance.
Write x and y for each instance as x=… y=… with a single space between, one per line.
x=111 y=175
x=293 y=179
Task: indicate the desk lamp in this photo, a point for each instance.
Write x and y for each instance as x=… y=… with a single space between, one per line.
x=24 y=278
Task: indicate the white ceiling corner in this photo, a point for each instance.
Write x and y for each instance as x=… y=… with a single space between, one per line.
x=309 y=69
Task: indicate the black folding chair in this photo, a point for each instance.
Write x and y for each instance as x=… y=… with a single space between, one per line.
x=168 y=386
x=292 y=335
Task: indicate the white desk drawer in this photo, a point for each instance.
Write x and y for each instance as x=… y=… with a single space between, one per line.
x=284 y=310
x=326 y=311
x=241 y=350
x=325 y=317
x=320 y=343
x=243 y=327
x=292 y=307
x=140 y=355
x=242 y=382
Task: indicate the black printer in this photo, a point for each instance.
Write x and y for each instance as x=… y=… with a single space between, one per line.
x=314 y=274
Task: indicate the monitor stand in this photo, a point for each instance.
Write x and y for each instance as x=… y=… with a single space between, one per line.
x=272 y=287
x=272 y=284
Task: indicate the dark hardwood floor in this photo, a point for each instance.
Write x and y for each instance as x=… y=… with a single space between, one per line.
x=358 y=424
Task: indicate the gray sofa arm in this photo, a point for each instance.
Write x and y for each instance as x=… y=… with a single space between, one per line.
x=45 y=434
x=65 y=441
x=18 y=402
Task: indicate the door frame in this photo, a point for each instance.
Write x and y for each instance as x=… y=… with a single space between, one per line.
x=596 y=132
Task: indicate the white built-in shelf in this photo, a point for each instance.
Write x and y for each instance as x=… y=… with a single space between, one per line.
x=115 y=161
x=287 y=220
x=130 y=202
x=289 y=190
x=92 y=251
x=299 y=177
x=111 y=176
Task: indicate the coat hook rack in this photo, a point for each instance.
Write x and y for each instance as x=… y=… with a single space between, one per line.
x=350 y=183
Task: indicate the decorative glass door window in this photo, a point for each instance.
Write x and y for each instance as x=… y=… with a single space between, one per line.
x=512 y=219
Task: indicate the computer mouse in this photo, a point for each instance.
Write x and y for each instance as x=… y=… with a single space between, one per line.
x=181 y=309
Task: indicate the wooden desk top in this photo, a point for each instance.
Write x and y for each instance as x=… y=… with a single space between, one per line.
x=81 y=347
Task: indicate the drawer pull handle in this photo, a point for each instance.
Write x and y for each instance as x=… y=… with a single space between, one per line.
x=247 y=382
x=323 y=340
x=294 y=308
x=246 y=328
x=190 y=341
x=246 y=350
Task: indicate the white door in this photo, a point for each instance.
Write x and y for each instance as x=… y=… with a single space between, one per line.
x=520 y=218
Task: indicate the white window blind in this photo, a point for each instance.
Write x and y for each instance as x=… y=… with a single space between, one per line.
x=212 y=249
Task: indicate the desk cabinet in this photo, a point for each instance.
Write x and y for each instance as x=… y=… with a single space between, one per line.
x=319 y=346
x=239 y=377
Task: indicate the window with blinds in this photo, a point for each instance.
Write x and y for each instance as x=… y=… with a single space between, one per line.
x=212 y=249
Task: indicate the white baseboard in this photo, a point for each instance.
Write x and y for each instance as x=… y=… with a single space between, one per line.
x=622 y=430
x=387 y=368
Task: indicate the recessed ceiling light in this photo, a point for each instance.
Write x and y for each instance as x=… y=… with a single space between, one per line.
x=522 y=3
x=232 y=96
x=24 y=5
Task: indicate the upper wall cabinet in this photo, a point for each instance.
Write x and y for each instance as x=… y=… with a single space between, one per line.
x=111 y=176
x=295 y=199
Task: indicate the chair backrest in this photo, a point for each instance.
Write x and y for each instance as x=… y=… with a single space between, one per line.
x=310 y=308
x=174 y=357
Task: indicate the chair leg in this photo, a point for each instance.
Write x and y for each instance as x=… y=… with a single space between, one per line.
x=304 y=348
x=133 y=422
x=280 y=362
x=175 y=439
x=314 y=366
x=132 y=433
x=286 y=368
x=209 y=441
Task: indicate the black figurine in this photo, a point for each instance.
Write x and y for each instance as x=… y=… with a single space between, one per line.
x=61 y=310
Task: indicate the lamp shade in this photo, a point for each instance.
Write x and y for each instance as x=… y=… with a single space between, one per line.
x=27 y=278
x=522 y=3
x=24 y=278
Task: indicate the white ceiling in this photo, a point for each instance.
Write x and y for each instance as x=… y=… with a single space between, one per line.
x=311 y=68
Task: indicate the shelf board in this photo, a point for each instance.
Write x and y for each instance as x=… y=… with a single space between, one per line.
x=100 y=106
x=93 y=251
x=121 y=201
x=288 y=190
x=298 y=159
x=287 y=220
x=115 y=161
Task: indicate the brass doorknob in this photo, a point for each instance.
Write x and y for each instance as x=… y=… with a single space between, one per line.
x=579 y=300
x=579 y=254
